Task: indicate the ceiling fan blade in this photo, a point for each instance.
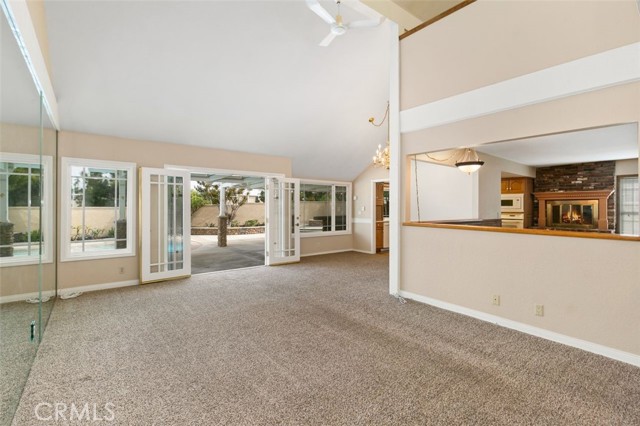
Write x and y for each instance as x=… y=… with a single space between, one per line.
x=320 y=11
x=369 y=23
x=327 y=40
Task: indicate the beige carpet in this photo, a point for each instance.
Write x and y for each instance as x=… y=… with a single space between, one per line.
x=319 y=342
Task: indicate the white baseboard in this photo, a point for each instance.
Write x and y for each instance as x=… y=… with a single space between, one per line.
x=61 y=291
x=325 y=252
x=595 y=348
x=96 y=287
x=364 y=251
x=24 y=296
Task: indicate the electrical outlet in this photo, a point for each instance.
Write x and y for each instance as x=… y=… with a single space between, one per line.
x=540 y=310
x=122 y=269
x=496 y=300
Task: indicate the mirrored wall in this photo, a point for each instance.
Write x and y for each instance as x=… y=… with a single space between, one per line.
x=27 y=221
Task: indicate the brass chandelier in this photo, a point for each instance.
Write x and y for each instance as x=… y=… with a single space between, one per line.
x=382 y=157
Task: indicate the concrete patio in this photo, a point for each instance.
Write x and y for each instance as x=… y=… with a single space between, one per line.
x=242 y=251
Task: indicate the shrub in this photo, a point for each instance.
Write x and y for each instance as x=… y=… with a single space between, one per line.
x=197 y=201
x=252 y=222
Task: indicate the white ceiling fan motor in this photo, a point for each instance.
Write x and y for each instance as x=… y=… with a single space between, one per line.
x=337 y=25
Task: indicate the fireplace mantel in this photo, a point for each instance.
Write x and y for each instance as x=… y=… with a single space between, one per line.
x=601 y=196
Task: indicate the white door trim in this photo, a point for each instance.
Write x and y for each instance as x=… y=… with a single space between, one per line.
x=373 y=212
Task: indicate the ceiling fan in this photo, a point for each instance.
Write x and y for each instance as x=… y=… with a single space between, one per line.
x=338 y=27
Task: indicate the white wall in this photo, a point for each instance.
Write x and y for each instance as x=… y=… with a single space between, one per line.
x=627 y=167
x=585 y=294
x=445 y=192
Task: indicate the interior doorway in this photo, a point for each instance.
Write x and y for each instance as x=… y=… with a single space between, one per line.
x=228 y=216
x=380 y=198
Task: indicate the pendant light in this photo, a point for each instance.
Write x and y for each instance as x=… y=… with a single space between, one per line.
x=469 y=163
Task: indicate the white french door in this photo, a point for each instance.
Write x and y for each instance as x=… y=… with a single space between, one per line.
x=283 y=221
x=165 y=224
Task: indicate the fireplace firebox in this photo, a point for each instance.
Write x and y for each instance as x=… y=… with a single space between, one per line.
x=579 y=214
x=577 y=210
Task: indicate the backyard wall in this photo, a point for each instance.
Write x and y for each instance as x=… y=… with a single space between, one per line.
x=207 y=215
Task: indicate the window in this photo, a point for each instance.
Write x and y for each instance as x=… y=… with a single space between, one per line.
x=98 y=209
x=628 y=205
x=25 y=186
x=324 y=208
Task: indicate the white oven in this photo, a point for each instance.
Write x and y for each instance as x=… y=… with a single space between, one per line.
x=512 y=220
x=512 y=203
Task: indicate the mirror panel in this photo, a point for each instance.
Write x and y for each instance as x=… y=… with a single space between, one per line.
x=27 y=222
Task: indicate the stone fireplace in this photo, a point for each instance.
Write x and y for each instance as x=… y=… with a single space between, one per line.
x=576 y=181
x=576 y=210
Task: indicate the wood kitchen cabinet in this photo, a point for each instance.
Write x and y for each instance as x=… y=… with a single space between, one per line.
x=379 y=194
x=379 y=236
x=379 y=216
x=519 y=185
x=379 y=201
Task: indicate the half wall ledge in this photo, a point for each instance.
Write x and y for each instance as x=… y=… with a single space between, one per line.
x=547 y=232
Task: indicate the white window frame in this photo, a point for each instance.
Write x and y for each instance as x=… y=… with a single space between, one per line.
x=46 y=213
x=620 y=202
x=65 y=222
x=348 y=219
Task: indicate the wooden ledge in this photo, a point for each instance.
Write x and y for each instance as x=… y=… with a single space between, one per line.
x=437 y=18
x=547 y=232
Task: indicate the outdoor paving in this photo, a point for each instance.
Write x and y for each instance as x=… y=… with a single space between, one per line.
x=242 y=251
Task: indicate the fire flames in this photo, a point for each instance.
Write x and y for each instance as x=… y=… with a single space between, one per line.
x=572 y=217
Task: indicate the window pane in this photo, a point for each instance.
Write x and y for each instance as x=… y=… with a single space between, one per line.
x=98 y=216
x=78 y=171
x=100 y=193
x=20 y=234
x=315 y=208
x=629 y=206
x=341 y=208
x=35 y=191
x=18 y=190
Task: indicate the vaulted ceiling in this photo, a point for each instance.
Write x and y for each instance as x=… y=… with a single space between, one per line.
x=237 y=75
